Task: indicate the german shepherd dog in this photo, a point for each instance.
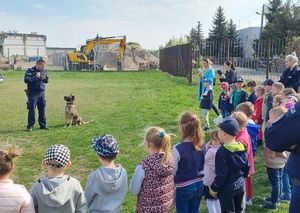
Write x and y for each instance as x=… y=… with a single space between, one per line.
x=71 y=113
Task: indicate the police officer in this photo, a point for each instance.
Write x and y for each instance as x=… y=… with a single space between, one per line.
x=35 y=78
x=291 y=76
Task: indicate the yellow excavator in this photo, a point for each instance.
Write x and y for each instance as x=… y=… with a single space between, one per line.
x=84 y=59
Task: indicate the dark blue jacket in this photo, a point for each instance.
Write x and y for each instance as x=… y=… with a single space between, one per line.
x=291 y=79
x=252 y=98
x=35 y=84
x=230 y=77
x=223 y=102
x=191 y=162
x=231 y=169
x=253 y=130
x=283 y=134
x=208 y=98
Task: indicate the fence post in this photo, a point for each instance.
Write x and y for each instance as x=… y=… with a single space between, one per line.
x=268 y=58
x=191 y=64
x=228 y=50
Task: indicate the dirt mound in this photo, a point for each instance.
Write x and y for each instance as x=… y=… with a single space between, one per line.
x=137 y=58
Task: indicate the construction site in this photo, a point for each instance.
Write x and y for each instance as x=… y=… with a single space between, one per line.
x=19 y=51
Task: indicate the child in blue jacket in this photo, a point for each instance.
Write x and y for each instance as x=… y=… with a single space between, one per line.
x=232 y=167
x=207 y=102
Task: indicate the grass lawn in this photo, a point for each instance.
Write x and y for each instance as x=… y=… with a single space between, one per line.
x=122 y=104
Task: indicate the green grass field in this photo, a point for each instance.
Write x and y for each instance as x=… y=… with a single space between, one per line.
x=122 y=104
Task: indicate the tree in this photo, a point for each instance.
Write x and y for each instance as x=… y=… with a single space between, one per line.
x=235 y=47
x=196 y=36
x=218 y=35
x=282 y=24
x=273 y=8
x=219 y=26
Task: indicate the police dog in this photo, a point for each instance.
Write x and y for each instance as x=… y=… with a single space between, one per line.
x=71 y=113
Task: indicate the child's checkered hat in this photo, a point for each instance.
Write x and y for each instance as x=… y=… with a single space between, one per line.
x=58 y=153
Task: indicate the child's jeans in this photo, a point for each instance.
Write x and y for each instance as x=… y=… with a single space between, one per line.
x=275 y=178
x=225 y=114
x=188 y=198
x=286 y=184
x=232 y=201
x=205 y=117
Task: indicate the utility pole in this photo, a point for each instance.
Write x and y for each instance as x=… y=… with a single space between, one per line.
x=259 y=51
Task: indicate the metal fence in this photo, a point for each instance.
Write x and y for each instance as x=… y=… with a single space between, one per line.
x=253 y=58
x=177 y=60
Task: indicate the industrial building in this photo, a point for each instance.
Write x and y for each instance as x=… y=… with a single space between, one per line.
x=14 y=43
x=247 y=36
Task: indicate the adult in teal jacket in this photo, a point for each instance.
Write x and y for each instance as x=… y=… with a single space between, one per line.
x=208 y=72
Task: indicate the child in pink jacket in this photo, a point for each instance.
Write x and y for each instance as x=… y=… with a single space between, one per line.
x=13 y=197
x=212 y=147
x=244 y=138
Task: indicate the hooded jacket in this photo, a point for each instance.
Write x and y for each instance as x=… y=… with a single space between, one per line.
x=253 y=131
x=244 y=138
x=106 y=189
x=58 y=195
x=209 y=164
x=14 y=198
x=232 y=167
x=156 y=192
x=208 y=98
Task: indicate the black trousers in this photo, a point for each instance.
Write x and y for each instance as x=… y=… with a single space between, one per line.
x=36 y=99
x=232 y=201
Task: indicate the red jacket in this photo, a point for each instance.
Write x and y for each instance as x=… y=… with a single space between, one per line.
x=257 y=114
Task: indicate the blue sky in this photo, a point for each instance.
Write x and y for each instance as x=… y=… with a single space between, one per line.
x=68 y=23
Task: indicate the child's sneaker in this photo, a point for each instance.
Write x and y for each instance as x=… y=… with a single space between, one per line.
x=284 y=199
x=268 y=200
x=269 y=206
x=249 y=202
x=206 y=129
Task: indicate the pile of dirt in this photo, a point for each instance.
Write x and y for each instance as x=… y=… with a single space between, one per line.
x=137 y=58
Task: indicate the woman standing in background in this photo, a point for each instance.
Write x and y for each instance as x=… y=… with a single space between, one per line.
x=208 y=72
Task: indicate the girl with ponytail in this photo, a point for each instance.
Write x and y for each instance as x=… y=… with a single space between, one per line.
x=13 y=197
x=153 y=180
x=189 y=164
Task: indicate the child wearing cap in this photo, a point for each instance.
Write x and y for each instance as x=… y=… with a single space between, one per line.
x=231 y=168
x=153 y=180
x=189 y=164
x=245 y=139
x=58 y=193
x=239 y=95
x=224 y=100
x=106 y=187
x=206 y=102
x=13 y=197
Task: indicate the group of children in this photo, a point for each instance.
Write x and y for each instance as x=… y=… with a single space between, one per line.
x=266 y=103
x=166 y=178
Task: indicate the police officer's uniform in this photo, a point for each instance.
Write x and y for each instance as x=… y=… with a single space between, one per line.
x=36 y=96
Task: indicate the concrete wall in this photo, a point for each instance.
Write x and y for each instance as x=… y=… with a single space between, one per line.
x=247 y=36
x=23 y=44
